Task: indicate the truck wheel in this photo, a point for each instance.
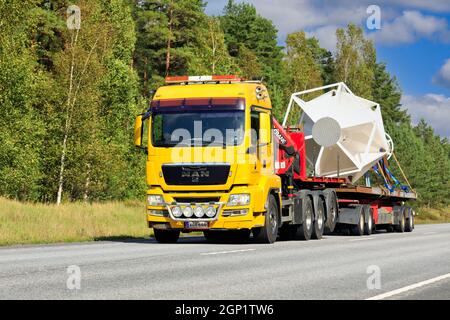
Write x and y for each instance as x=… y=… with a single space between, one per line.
x=268 y=233
x=304 y=231
x=332 y=212
x=410 y=221
x=319 y=222
x=410 y=224
x=401 y=225
x=166 y=236
x=358 y=230
x=368 y=226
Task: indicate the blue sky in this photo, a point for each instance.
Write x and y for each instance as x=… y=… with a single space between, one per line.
x=413 y=40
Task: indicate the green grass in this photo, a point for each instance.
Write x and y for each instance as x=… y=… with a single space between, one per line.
x=429 y=215
x=25 y=223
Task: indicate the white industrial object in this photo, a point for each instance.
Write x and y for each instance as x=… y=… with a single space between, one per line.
x=344 y=133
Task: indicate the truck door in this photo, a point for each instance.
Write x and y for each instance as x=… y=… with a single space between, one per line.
x=262 y=139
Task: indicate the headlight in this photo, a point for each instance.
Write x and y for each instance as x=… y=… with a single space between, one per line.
x=187 y=211
x=155 y=200
x=198 y=212
x=239 y=199
x=210 y=212
x=176 y=211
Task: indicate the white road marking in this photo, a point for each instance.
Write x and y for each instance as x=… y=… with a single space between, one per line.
x=410 y=287
x=361 y=239
x=432 y=232
x=224 y=252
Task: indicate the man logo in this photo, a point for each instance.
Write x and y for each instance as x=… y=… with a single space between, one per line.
x=195 y=173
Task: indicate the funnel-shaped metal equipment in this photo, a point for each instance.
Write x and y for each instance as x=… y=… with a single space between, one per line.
x=344 y=133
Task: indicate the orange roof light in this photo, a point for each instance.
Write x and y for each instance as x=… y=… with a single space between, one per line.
x=181 y=79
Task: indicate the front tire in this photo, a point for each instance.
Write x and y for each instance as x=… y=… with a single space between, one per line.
x=269 y=233
x=166 y=236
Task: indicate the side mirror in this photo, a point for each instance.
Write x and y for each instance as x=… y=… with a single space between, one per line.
x=138 y=131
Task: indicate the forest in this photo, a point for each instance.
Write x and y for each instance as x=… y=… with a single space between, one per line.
x=68 y=96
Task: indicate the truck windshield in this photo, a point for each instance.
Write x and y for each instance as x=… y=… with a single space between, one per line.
x=198 y=122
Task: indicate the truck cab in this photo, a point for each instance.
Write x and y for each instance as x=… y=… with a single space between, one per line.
x=210 y=159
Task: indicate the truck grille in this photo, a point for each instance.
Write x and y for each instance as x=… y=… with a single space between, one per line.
x=196 y=200
x=196 y=174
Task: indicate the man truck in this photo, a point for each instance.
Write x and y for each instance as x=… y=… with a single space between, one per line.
x=219 y=162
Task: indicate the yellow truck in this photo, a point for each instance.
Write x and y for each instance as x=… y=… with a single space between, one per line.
x=213 y=165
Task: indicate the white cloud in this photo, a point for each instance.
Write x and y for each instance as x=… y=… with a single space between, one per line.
x=434 y=108
x=431 y=5
x=318 y=18
x=442 y=78
x=326 y=36
x=410 y=27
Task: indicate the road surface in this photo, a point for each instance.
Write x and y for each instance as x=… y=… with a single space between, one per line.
x=380 y=266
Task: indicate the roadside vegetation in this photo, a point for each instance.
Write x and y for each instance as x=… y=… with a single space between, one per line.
x=33 y=223
x=430 y=215
x=26 y=223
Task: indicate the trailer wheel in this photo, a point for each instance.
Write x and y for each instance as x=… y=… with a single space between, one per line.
x=368 y=226
x=401 y=225
x=319 y=222
x=268 y=233
x=304 y=231
x=332 y=211
x=166 y=236
x=358 y=229
x=410 y=221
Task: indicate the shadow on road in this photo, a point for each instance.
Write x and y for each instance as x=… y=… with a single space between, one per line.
x=150 y=240
x=197 y=238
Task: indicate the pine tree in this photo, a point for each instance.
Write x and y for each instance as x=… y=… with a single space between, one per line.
x=245 y=30
x=386 y=92
x=323 y=59
x=166 y=35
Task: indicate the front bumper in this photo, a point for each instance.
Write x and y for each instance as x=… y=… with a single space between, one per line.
x=227 y=217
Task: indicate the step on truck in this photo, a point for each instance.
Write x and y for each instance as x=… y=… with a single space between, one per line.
x=219 y=162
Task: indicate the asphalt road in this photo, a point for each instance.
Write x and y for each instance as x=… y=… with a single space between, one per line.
x=337 y=267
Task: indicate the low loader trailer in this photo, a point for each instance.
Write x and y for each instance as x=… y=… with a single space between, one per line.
x=219 y=162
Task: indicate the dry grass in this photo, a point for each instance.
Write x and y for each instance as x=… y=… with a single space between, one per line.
x=23 y=223
x=428 y=215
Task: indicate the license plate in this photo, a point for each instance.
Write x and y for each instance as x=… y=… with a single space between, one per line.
x=196 y=225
